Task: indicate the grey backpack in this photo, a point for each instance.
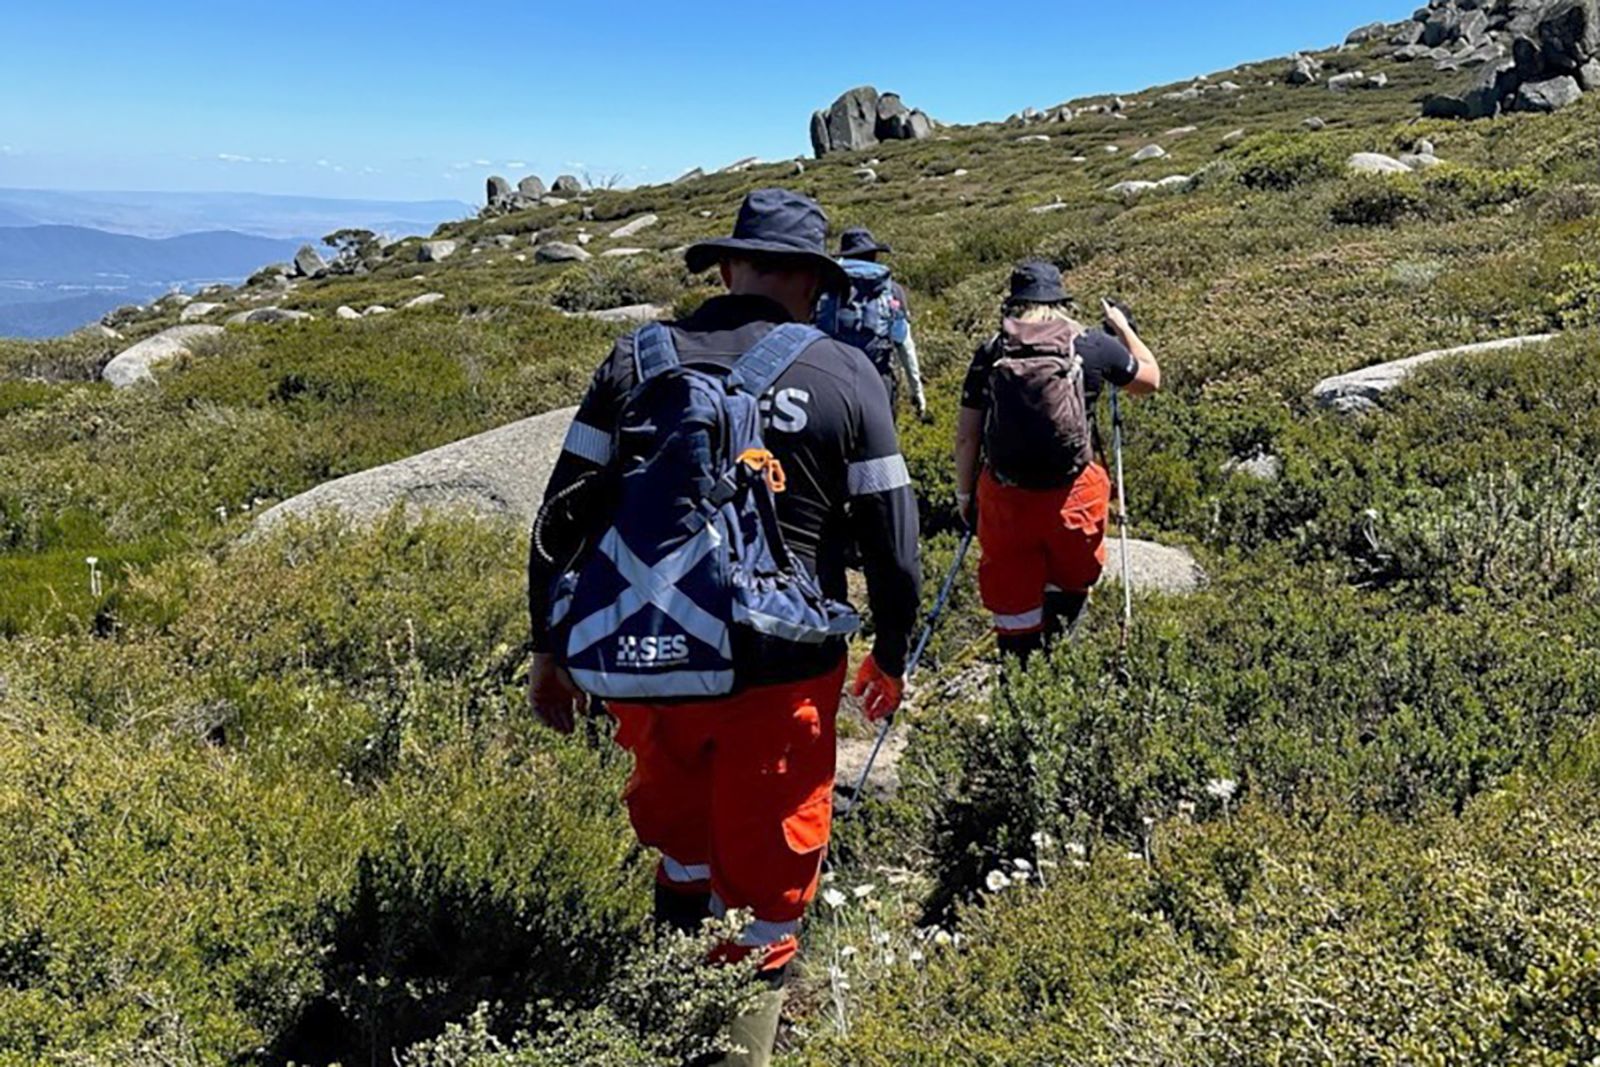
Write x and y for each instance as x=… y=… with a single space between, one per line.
x=1037 y=434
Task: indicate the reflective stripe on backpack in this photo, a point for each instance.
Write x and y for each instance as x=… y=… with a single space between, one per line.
x=694 y=548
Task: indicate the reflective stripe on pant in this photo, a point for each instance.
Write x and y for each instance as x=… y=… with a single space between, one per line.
x=741 y=789
x=1034 y=540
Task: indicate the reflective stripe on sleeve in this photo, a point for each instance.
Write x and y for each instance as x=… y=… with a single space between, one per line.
x=878 y=475
x=586 y=442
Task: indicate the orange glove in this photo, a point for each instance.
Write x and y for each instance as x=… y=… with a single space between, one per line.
x=880 y=693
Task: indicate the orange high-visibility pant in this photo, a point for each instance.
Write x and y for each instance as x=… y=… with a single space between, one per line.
x=737 y=794
x=1038 y=541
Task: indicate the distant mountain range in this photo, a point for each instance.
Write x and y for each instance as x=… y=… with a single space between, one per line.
x=66 y=258
x=170 y=214
x=54 y=279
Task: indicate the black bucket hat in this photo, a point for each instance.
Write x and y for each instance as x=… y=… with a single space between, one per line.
x=774 y=222
x=1038 y=282
x=858 y=241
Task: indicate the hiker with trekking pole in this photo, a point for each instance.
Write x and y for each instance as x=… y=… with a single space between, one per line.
x=688 y=568
x=1028 y=479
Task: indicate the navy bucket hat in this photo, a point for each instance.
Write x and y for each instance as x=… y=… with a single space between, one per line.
x=858 y=241
x=774 y=222
x=1038 y=282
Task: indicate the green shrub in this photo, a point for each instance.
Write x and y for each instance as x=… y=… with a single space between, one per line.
x=1576 y=303
x=1282 y=161
x=1376 y=201
x=1264 y=940
x=1477 y=187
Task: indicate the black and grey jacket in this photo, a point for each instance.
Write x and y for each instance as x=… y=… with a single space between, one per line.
x=829 y=423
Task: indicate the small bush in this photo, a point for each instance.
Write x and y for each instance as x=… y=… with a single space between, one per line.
x=1376 y=201
x=1282 y=161
x=1576 y=301
x=1478 y=187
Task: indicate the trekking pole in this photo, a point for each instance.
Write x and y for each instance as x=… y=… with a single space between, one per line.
x=1122 y=519
x=911 y=666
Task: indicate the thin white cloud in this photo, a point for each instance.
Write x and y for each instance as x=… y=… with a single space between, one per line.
x=516 y=164
x=482 y=163
x=233 y=157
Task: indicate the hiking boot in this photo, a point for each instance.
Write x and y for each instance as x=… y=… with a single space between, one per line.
x=755 y=1032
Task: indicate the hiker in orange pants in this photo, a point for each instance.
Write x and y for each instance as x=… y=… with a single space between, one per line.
x=1026 y=472
x=737 y=794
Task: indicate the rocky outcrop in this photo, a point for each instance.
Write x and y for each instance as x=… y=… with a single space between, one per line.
x=499 y=474
x=1359 y=391
x=308 y=263
x=1375 y=163
x=560 y=252
x=633 y=227
x=633 y=314
x=862 y=118
x=268 y=317
x=133 y=365
x=567 y=185
x=1533 y=54
x=197 y=310
x=497 y=191
x=436 y=251
x=532 y=188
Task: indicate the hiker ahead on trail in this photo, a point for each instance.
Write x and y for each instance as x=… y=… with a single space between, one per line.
x=1026 y=443
x=688 y=566
x=874 y=315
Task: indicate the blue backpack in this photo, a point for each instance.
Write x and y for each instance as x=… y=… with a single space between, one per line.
x=694 y=561
x=870 y=316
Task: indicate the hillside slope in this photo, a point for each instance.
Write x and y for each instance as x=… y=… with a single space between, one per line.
x=279 y=800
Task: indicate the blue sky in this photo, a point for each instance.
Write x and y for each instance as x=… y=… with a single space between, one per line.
x=409 y=100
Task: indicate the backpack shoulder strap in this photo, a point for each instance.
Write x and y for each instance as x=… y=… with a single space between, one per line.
x=775 y=353
x=653 y=351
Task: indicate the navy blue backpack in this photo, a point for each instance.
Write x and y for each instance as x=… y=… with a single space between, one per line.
x=694 y=552
x=869 y=315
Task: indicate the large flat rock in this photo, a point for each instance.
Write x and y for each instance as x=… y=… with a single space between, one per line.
x=498 y=474
x=1153 y=568
x=134 y=364
x=1360 y=390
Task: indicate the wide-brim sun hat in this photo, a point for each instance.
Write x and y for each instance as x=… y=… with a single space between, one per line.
x=1038 y=282
x=858 y=241
x=774 y=222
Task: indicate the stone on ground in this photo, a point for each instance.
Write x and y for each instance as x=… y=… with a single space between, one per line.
x=1359 y=391
x=133 y=365
x=633 y=227
x=1375 y=163
x=1153 y=568
x=632 y=313
x=500 y=474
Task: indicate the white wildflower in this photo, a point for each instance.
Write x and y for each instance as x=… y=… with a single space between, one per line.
x=1077 y=850
x=833 y=898
x=1043 y=841
x=1222 y=789
x=864 y=891
x=915 y=955
x=847 y=951
x=942 y=937
x=997 y=881
x=1022 y=865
